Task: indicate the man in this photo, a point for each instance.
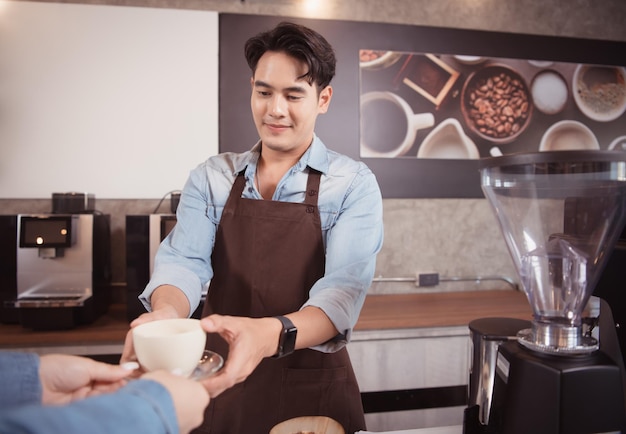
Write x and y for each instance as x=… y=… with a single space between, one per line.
x=287 y=234
x=66 y=394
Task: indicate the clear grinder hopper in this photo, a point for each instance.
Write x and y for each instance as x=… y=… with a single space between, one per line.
x=560 y=214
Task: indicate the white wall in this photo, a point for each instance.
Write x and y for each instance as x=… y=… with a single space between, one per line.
x=113 y=100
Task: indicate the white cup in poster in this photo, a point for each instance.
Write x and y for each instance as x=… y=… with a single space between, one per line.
x=389 y=125
x=568 y=135
x=618 y=144
x=600 y=91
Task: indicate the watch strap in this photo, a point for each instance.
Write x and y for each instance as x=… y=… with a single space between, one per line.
x=287 y=340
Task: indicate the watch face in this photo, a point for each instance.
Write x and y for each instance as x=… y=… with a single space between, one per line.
x=290 y=341
x=287 y=341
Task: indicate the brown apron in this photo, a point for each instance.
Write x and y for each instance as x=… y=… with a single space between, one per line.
x=267 y=256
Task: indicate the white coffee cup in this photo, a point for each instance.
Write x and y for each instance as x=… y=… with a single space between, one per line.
x=389 y=125
x=175 y=345
x=568 y=135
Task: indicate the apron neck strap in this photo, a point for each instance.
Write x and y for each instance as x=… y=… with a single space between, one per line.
x=312 y=187
x=310 y=196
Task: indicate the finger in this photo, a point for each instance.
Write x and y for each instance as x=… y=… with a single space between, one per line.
x=102 y=388
x=217 y=384
x=105 y=372
x=128 y=352
x=143 y=318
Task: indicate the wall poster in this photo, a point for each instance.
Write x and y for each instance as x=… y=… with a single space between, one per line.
x=420 y=105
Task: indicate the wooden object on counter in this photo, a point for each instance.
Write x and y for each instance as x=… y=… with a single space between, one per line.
x=440 y=309
x=308 y=424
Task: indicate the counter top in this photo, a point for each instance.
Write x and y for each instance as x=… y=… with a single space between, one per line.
x=380 y=312
x=105 y=336
x=441 y=309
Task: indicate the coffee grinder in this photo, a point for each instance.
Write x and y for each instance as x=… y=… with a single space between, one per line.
x=561 y=214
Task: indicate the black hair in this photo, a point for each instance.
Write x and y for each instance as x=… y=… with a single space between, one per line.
x=299 y=42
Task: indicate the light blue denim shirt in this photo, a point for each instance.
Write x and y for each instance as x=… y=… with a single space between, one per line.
x=350 y=205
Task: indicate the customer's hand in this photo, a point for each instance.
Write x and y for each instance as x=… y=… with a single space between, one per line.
x=65 y=378
x=249 y=341
x=190 y=398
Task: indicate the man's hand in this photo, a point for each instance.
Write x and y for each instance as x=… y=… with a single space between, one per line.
x=249 y=341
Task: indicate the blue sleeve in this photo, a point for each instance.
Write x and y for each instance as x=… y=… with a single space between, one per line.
x=19 y=379
x=353 y=239
x=184 y=257
x=143 y=406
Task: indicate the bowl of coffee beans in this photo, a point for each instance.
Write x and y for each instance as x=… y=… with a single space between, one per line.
x=496 y=103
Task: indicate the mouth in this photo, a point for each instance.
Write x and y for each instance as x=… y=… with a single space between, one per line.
x=276 y=128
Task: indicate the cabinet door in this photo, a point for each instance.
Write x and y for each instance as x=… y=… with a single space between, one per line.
x=412 y=363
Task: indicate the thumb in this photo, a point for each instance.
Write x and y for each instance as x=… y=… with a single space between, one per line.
x=210 y=323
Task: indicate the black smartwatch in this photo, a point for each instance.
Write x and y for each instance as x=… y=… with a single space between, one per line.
x=287 y=341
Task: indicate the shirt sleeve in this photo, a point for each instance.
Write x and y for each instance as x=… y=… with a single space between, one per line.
x=352 y=244
x=19 y=379
x=143 y=406
x=184 y=257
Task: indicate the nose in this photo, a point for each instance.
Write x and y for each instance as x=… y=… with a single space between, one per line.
x=277 y=106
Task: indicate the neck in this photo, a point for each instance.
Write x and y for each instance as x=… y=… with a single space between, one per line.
x=269 y=173
x=272 y=166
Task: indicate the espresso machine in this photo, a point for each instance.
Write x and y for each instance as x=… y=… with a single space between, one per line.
x=59 y=269
x=561 y=214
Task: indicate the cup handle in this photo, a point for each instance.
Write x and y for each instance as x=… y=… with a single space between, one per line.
x=495 y=152
x=422 y=120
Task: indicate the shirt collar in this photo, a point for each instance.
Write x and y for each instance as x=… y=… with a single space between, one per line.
x=316 y=157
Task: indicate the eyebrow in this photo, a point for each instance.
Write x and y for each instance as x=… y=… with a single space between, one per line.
x=298 y=89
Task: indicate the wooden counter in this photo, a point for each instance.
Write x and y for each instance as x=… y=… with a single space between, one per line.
x=441 y=309
x=107 y=332
x=392 y=311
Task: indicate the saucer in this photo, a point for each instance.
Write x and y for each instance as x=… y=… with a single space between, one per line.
x=208 y=365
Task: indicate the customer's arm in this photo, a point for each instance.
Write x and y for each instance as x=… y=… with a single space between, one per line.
x=54 y=379
x=158 y=403
x=19 y=379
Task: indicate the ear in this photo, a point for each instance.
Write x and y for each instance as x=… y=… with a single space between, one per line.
x=324 y=99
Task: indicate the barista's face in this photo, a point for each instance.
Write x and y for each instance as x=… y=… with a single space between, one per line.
x=285 y=107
